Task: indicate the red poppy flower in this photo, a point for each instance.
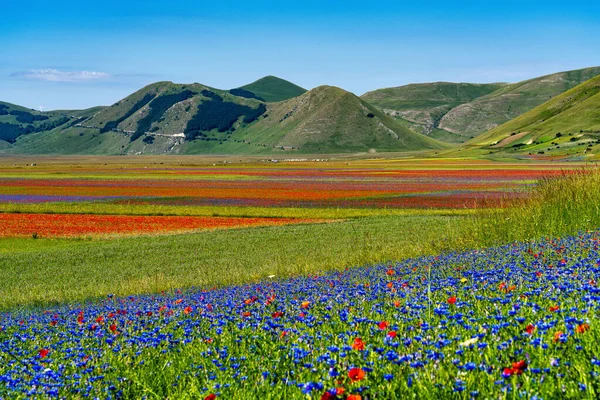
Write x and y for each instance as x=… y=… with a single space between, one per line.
x=554 y=308
x=305 y=304
x=356 y=374
x=43 y=353
x=358 y=344
x=283 y=334
x=354 y=397
x=390 y=272
x=519 y=366
x=529 y=329
x=277 y=314
x=328 y=396
x=187 y=310
x=211 y=396
x=53 y=323
x=113 y=328
x=340 y=391
x=250 y=300
x=396 y=304
x=246 y=314
x=100 y=319
x=392 y=334
x=451 y=300
x=383 y=325
x=582 y=328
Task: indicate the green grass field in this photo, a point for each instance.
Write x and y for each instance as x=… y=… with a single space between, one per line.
x=48 y=271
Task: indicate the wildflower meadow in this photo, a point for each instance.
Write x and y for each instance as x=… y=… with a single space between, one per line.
x=147 y=295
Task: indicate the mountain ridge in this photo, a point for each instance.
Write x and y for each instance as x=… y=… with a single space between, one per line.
x=166 y=117
x=460 y=122
x=173 y=118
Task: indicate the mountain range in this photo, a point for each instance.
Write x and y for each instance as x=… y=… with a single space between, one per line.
x=273 y=116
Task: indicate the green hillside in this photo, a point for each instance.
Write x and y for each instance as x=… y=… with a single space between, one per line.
x=17 y=122
x=272 y=89
x=421 y=106
x=328 y=119
x=160 y=118
x=568 y=124
x=169 y=118
x=492 y=110
x=457 y=112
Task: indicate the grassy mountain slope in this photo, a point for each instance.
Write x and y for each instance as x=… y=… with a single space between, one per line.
x=566 y=125
x=17 y=122
x=457 y=112
x=273 y=89
x=423 y=105
x=152 y=120
x=328 y=119
x=511 y=101
x=195 y=119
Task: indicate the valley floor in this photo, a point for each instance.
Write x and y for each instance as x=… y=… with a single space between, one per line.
x=375 y=288
x=74 y=229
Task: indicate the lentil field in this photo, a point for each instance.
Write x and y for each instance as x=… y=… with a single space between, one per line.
x=374 y=184
x=358 y=279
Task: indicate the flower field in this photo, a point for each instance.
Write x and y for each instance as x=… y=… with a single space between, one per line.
x=517 y=321
x=77 y=225
x=365 y=184
x=64 y=200
x=280 y=312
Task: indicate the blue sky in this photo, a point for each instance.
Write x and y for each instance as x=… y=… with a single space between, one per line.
x=77 y=54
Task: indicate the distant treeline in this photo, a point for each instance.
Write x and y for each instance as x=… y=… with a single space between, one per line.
x=157 y=108
x=27 y=118
x=23 y=117
x=10 y=132
x=245 y=93
x=110 y=125
x=220 y=115
x=48 y=126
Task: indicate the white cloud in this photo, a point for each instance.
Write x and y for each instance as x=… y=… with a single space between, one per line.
x=54 y=75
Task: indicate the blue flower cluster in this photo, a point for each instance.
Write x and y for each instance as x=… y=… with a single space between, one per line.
x=518 y=320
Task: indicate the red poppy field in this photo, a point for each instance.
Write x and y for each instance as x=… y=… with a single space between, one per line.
x=69 y=225
x=255 y=190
